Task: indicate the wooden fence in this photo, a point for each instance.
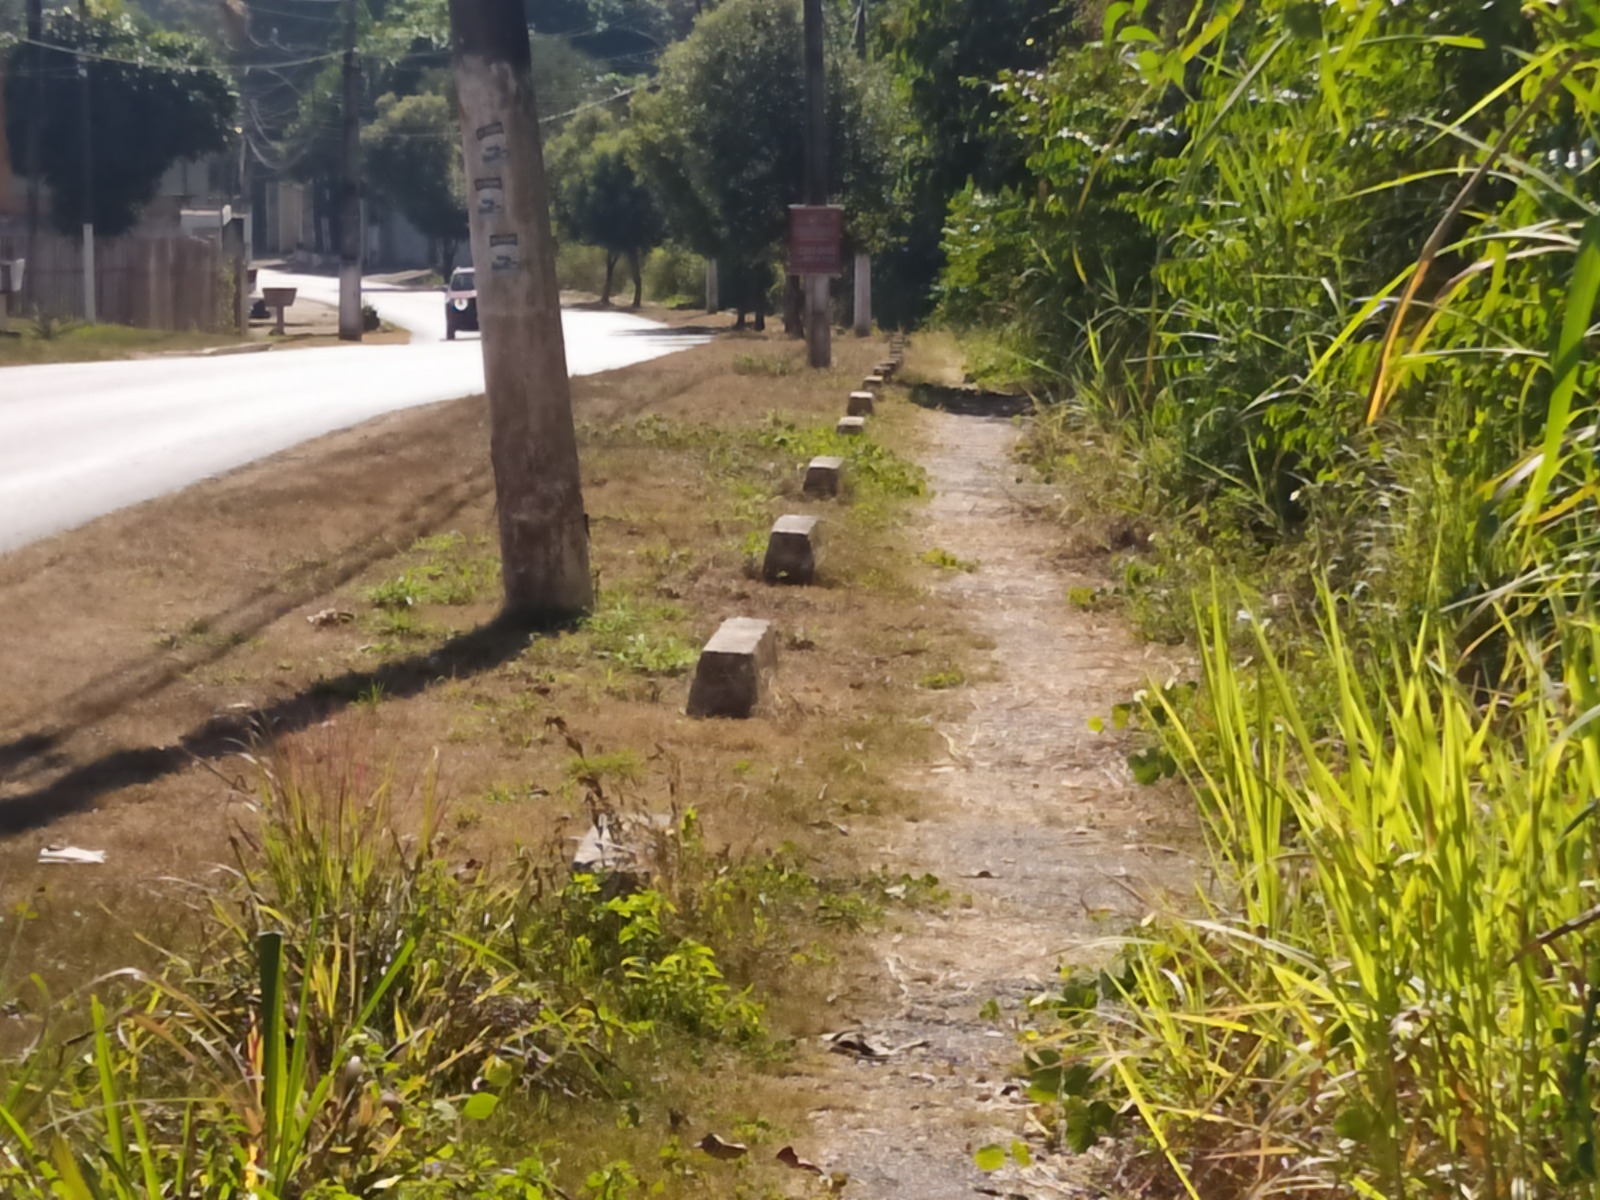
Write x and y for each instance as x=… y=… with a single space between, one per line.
x=174 y=283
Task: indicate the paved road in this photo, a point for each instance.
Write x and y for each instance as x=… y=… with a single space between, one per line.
x=81 y=440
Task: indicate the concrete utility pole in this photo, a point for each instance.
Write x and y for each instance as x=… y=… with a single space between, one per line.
x=819 y=332
x=544 y=537
x=35 y=116
x=89 y=313
x=862 y=309
x=350 y=188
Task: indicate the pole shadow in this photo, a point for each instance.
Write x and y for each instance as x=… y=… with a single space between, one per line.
x=465 y=655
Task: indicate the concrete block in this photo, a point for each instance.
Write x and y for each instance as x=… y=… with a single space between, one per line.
x=888 y=367
x=823 y=476
x=733 y=669
x=860 y=404
x=791 y=550
x=872 y=383
x=851 y=426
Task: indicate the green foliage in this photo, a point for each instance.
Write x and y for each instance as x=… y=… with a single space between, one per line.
x=155 y=97
x=363 y=1016
x=452 y=572
x=946 y=561
x=1397 y=959
x=870 y=467
x=675 y=276
x=413 y=161
x=720 y=139
x=1321 y=280
x=597 y=199
x=947 y=56
x=641 y=637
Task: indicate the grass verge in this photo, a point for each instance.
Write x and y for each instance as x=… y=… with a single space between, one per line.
x=398 y=981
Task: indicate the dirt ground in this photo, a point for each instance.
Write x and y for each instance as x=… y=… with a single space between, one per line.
x=1035 y=825
x=931 y=718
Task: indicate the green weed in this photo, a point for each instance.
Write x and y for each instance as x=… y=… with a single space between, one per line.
x=639 y=637
x=453 y=573
x=763 y=365
x=946 y=561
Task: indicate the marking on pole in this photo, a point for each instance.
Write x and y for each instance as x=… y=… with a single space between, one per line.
x=491 y=196
x=503 y=252
x=492 y=141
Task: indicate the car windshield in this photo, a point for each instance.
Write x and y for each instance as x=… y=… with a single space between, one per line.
x=461 y=281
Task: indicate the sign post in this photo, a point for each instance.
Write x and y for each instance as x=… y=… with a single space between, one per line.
x=816 y=251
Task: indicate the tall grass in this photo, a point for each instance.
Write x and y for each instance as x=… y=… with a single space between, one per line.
x=358 y=1014
x=1391 y=985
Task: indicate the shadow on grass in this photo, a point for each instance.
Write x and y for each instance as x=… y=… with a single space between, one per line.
x=970 y=402
x=464 y=655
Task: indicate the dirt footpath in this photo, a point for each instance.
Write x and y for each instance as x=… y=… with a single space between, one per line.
x=1034 y=825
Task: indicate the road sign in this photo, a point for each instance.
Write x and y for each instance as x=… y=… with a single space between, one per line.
x=816 y=236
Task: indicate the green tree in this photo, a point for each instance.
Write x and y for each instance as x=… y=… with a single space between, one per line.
x=949 y=57
x=413 y=161
x=598 y=198
x=155 y=97
x=721 y=139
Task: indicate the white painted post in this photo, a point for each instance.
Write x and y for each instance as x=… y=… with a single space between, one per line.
x=89 y=314
x=863 y=314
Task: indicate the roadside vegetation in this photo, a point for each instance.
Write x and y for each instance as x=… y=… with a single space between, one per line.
x=385 y=961
x=46 y=339
x=1307 y=295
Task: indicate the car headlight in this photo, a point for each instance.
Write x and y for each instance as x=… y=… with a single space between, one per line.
x=460 y=305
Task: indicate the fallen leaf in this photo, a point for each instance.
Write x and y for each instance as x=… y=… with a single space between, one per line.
x=789 y=1158
x=719 y=1149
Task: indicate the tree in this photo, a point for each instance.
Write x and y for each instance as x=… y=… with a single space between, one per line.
x=598 y=198
x=155 y=98
x=949 y=56
x=721 y=140
x=413 y=155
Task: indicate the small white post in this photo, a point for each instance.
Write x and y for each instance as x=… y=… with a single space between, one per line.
x=88 y=273
x=863 y=314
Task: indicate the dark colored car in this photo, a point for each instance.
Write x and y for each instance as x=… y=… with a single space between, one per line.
x=460 y=303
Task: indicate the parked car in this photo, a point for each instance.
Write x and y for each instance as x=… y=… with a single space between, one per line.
x=460 y=303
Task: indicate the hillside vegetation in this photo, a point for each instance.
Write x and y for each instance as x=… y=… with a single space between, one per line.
x=1314 y=284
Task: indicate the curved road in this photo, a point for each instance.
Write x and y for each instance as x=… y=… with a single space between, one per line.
x=81 y=440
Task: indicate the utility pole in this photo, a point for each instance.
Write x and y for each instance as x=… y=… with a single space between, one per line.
x=89 y=313
x=863 y=299
x=544 y=536
x=35 y=117
x=819 y=333
x=350 y=189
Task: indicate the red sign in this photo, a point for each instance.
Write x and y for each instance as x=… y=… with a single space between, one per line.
x=816 y=236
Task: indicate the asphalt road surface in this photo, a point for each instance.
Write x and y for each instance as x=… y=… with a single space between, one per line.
x=81 y=440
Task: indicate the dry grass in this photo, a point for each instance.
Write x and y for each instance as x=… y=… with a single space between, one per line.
x=145 y=648
x=23 y=346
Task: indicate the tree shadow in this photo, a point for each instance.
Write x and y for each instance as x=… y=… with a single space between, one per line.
x=465 y=655
x=971 y=401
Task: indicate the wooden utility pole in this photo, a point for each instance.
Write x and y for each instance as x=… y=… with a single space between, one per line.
x=89 y=310
x=862 y=309
x=350 y=188
x=544 y=538
x=35 y=117
x=819 y=332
